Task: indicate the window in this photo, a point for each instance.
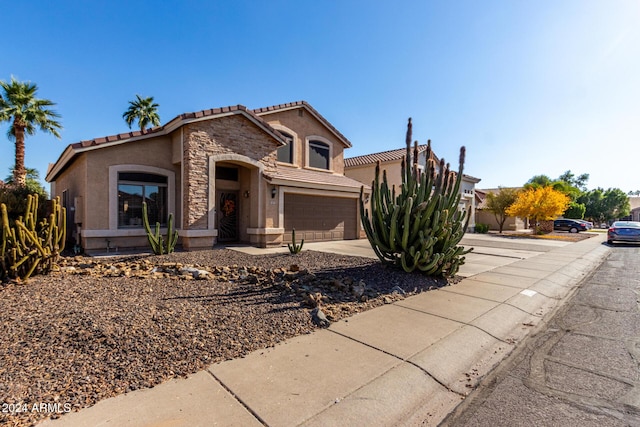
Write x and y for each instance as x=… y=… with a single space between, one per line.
x=285 y=153
x=318 y=155
x=135 y=188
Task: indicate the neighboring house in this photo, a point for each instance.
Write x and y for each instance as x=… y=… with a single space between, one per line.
x=634 y=203
x=227 y=175
x=362 y=168
x=484 y=216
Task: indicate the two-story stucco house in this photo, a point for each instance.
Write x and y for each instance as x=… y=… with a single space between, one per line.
x=362 y=168
x=227 y=175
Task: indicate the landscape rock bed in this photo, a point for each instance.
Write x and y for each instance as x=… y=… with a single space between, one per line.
x=99 y=327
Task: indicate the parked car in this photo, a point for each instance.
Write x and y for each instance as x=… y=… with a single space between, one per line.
x=587 y=223
x=624 y=231
x=570 y=225
x=603 y=225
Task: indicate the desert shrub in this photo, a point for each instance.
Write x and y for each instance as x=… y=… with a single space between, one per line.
x=482 y=228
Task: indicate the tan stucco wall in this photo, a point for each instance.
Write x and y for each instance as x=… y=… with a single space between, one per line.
x=366 y=174
x=305 y=126
x=511 y=224
x=154 y=152
x=74 y=179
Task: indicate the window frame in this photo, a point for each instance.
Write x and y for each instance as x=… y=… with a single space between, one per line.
x=290 y=146
x=114 y=171
x=145 y=185
x=294 y=143
x=320 y=141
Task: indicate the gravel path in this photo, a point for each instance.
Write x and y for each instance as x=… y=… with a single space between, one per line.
x=99 y=328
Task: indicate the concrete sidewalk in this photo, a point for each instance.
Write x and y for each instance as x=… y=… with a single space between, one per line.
x=407 y=363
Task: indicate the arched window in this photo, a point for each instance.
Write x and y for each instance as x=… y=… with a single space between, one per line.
x=135 y=188
x=319 y=155
x=285 y=153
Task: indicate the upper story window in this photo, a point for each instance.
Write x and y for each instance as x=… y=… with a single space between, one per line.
x=285 y=153
x=319 y=155
x=135 y=188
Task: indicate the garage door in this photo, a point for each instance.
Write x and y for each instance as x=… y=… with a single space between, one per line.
x=318 y=218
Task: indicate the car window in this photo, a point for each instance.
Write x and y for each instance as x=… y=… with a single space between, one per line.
x=628 y=224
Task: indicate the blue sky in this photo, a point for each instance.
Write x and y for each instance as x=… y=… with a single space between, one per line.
x=529 y=87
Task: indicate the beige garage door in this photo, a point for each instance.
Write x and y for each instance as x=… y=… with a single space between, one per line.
x=318 y=218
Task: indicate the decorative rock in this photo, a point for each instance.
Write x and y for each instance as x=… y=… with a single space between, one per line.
x=319 y=318
x=358 y=290
x=398 y=290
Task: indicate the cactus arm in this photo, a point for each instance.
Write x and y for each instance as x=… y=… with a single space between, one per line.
x=407 y=224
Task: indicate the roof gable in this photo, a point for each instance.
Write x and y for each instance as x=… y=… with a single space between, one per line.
x=306 y=106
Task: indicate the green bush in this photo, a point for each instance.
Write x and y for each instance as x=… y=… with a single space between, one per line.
x=15 y=198
x=482 y=228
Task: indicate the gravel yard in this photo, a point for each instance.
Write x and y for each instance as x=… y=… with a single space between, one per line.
x=101 y=327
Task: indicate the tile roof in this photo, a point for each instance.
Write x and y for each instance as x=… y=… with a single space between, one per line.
x=184 y=117
x=303 y=104
x=176 y=122
x=294 y=176
x=385 y=156
x=390 y=156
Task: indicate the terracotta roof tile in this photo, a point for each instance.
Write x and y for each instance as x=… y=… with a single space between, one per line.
x=313 y=177
x=176 y=121
x=384 y=156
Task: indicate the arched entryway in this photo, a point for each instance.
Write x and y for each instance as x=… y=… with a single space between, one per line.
x=234 y=196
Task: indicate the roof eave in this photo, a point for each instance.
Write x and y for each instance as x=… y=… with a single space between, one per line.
x=174 y=124
x=312 y=111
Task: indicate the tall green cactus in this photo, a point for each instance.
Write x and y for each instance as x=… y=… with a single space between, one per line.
x=420 y=227
x=29 y=247
x=156 y=241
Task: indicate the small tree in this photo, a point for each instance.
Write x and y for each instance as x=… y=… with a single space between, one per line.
x=32 y=182
x=575 y=210
x=497 y=203
x=19 y=105
x=539 y=204
x=144 y=111
x=605 y=205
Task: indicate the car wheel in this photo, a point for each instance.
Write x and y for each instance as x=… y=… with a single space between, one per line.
x=573 y=230
x=610 y=242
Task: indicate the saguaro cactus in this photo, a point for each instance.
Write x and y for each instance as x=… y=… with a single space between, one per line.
x=29 y=247
x=156 y=241
x=421 y=226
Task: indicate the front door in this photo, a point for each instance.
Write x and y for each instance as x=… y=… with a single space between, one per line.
x=227 y=213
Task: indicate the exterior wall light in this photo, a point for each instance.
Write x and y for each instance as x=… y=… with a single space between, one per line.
x=246 y=194
x=273 y=192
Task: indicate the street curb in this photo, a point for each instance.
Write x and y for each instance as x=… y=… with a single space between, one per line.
x=590 y=260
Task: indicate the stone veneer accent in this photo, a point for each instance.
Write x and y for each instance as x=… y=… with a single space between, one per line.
x=234 y=134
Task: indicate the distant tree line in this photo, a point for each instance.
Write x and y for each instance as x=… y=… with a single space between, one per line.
x=543 y=198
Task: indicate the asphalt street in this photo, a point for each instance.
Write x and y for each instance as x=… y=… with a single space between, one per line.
x=581 y=368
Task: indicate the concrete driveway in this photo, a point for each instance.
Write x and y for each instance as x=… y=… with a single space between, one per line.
x=489 y=250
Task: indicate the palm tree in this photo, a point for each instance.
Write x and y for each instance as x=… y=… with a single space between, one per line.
x=144 y=110
x=19 y=105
